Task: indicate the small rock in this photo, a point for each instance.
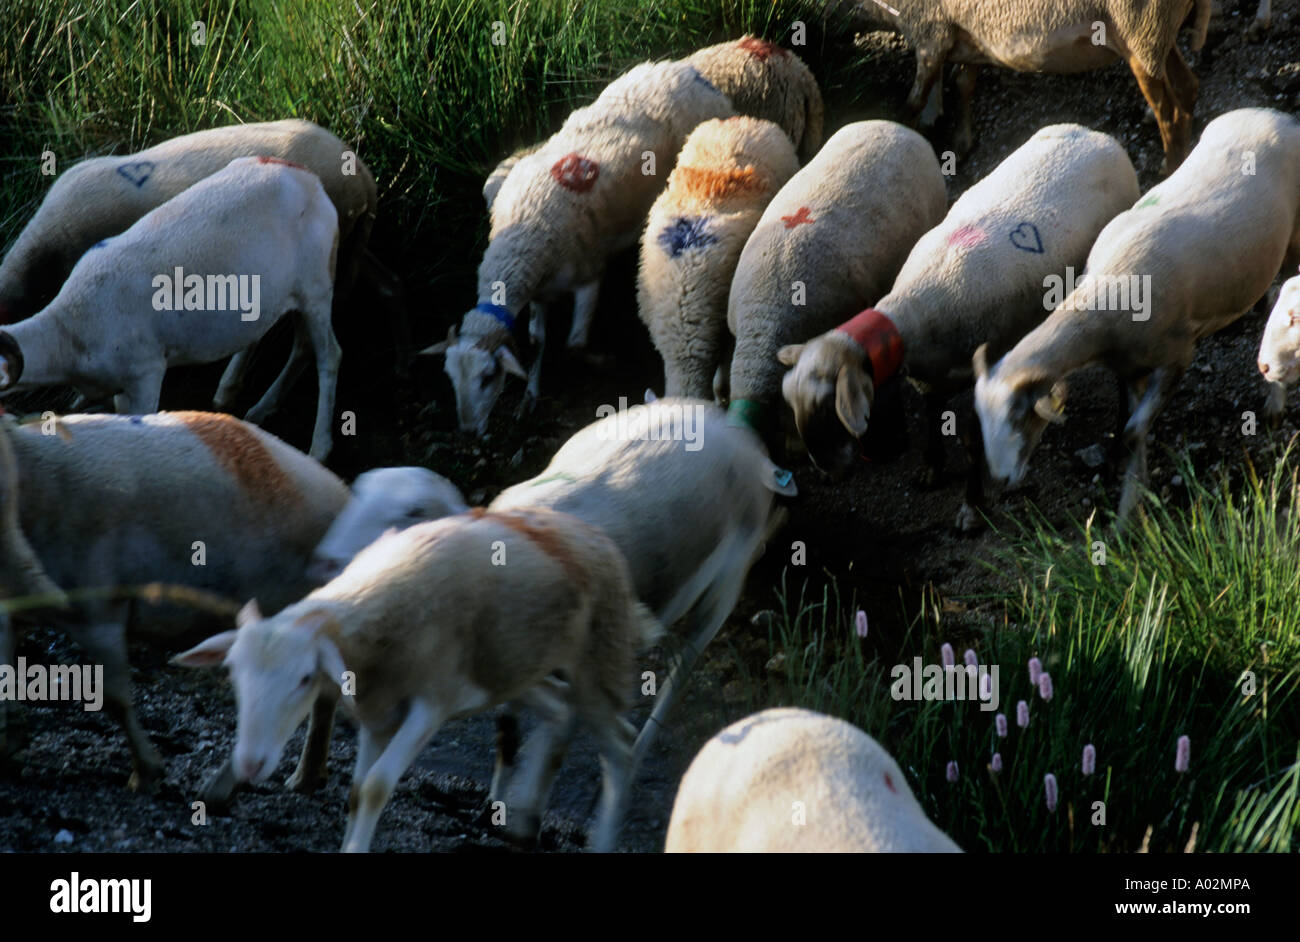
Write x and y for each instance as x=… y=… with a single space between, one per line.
x=776 y=664
x=1094 y=456
x=517 y=458
x=1176 y=480
x=64 y=837
x=1087 y=502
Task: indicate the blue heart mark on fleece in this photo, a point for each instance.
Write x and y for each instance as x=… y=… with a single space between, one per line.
x=1026 y=238
x=137 y=172
x=685 y=233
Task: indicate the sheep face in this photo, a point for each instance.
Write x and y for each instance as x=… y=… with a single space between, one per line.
x=478 y=374
x=831 y=395
x=1013 y=412
x=1279 y=352
x=382 y=500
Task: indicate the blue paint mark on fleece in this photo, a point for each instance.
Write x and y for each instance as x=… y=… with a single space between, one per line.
x=100 y=244
x=703 y=81
x=137 y=172
x=685 y=233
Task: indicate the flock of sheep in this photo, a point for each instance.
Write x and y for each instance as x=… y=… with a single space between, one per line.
x=785 y=278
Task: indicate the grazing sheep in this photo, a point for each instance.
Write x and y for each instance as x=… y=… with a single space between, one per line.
x=794 y=781
x=383 y=499
x=260 y=234
x=1058 y=36
x=725 y=176
x=1149 y=292
x=765 y=81
x=978 y=276
x=1279 y=351
x=561 y=211
x=192 y=499
x=830 y=242
x=104 y=196
x=430 y=627
x=492 y=185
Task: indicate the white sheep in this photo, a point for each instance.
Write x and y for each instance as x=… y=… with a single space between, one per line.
x=979 y=276
x=191 y=499
x=103 y=196
x=1279 y=350
x=828 y=244
x=1148 y=293
x=794 y=781
x=766 y=81
x=443 y=620
x=492 y=185
x=725 y=176
x=201 y=277
x=562 y=210
x=1054 y=36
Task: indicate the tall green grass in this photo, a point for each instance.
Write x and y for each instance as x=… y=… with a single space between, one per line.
x=1190 y=628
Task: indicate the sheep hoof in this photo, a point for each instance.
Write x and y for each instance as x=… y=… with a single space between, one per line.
x=145 y=779
x=969 y=520
x=304 y=783
x=1259 y=27
x=524 y=831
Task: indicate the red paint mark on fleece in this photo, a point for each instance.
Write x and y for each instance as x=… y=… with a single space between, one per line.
x=242 y=454
x=264 y=159
x=967 y=237
x=889 y=783
x=761 y=49
x=875 y=333
x=802 y=216
x=575 y=172
x=542 y=534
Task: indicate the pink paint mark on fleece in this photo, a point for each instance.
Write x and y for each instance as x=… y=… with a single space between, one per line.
x=967 y=237
x=802 y=216
x=575 y=172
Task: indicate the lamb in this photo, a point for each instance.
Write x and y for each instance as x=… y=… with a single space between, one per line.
x=1279 y=351
x=102 y=197
x=726 y=174
x=765 y=81
x=430 y=629
x=978 y=276
x=1148 y=294
x=560 y=213
x=831 y=241
x=191 y=499
x=738 y=794
x=263 y=233
x=1054 y=36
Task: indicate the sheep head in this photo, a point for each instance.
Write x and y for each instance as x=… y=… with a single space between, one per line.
x=477 y=367
x=1279 y=351
x=278 y=666
x=1014 y=409
x=831 y=393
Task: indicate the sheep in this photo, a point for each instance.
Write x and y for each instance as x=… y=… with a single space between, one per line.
x=382 y=499
x=1279 y=350
x=113 y=504
x=980 y=275
x=492 y=185
x=830 y=241
x=561 y=211
x=1054 y=36
x=102 y=197
x=263 y=233
x=443 y=620
x=1148 y=294
x=765 y=81
x=740 y=789
x=726 y=174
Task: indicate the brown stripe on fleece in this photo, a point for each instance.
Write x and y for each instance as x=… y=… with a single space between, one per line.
x=544 y=538
x=708 y=184
x=241 y=453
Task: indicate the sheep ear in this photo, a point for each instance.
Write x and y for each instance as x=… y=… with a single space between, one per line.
x=11 y=360
x=852 y=402
x=209 y=653
x=510 y=362
x=248 y=614
x=650 y=396
x=1052 y=406
x=980 y=361
x=443 y=345
x=789 y=356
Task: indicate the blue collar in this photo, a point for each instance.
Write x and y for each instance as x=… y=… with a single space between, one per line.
x=500 y=313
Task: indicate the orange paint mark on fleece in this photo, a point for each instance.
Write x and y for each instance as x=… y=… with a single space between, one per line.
x=761 y=49
x=545 y=537
x=242 y=454
x=712 y=185
x=799 y=218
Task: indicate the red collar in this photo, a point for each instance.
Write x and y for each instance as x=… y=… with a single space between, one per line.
x=875 y=333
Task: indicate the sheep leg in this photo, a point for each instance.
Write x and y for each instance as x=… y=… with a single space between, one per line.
x=217 y=788
x=929 y=68
x=544 y=753
x=10 y=740
x=139 y=395
x=1160 y=97
x=617 y=740
x=969 y=519
x=934 y=445
x=1126 y=400
x=328 y=353
x=1160 y=388
x=372 y=794
x=369 y=746
x=585 y=298
x=537 y=333
x=276 y=392
x=232 y=381
x=507 y=749
x=965 y=137
x=313 y=764
x=1183 y=83
x=105 y=643
x=1263 y=19
x=1275 y=404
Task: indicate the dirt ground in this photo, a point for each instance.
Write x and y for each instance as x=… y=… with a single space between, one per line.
x=879 y=531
